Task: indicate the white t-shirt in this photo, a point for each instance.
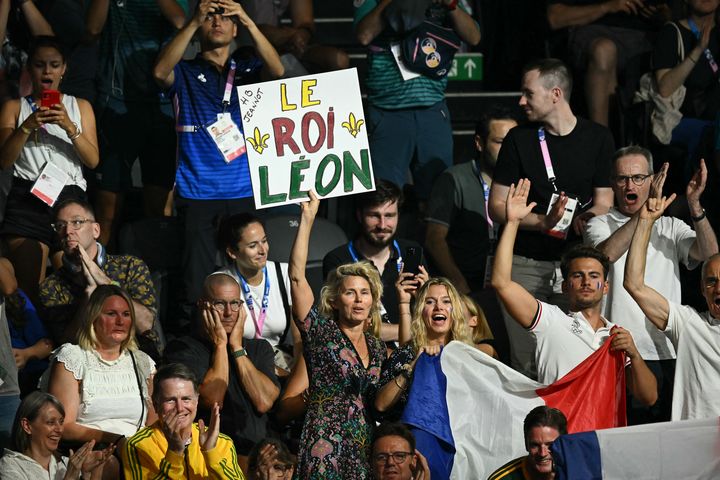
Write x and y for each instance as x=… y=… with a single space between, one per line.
x=109 y=395
x=696 y=393
x=52 y=145
x=564 y=340
x=276 y=320
x=669 y=246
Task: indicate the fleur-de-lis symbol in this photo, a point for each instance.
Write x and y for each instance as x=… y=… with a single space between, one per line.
x=352 y=125
x=259 y=141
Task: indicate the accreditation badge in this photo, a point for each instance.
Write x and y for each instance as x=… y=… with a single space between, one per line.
x=227 y=137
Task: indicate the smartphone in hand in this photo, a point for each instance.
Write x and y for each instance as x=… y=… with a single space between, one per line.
x=49 y=98
x=412 y=260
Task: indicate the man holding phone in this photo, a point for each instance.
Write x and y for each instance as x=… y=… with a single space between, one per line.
x=378 y=215
x=568 y=161
x=211 y=180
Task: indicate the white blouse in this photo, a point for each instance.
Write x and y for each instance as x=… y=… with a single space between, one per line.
x=109 y=395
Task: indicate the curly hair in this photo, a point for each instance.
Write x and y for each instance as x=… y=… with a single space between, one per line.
x=418 y=328
x=334 y=283
x=86 y=336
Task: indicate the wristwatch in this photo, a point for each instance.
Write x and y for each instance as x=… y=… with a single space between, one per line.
x=239 y=353
x=699 y=217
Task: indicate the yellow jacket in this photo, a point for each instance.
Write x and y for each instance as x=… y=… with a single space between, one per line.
x=146 y=456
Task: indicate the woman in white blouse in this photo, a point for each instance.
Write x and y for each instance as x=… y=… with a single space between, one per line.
x=104 y=382
x=265 y=286
x=36 y=432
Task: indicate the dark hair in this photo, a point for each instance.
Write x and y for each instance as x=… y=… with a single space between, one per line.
x=84 y=204
x=633 y=150
x=394 y=429
x=232 y=227
x=283 y=454
x=30 y=409
x=46 y=41
x=553 y=73
x=495 y=112
x=544 y=416
x=584 y=251
x=172 y=370
x=385 y=191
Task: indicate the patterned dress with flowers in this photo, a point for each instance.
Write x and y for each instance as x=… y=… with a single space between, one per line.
x=338 y=426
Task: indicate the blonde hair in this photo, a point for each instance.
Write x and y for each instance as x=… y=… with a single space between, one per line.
x=481 y=331
x=334 y=283
x=459 y=330
x=86 y=336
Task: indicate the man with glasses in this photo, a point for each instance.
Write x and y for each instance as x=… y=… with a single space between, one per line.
x=85 y=266
x=237 y=373
x=394 y=455
x=672 y=242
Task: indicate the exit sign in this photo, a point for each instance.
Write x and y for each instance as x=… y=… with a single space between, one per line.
x=467 y=66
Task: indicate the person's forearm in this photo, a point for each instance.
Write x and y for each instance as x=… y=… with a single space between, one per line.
x=372 y=24
x=465 y=26
x=618 y=243
x=278 y=36
x=4 y=15
x=273 y=67
x=258 y=387
x=96 y=17
x=215 y=383
x=404 y=330
x=502 y=267
x=86 y=151
x=78 y=433
x=40 y=350
x=643 y=384
x=676 y=76
x=635 y=263
x=560 y=15
x=172 y=12
x=35 y=20
x=391 y=393
x=706 y=240
x=173 y=52
x=144 y=317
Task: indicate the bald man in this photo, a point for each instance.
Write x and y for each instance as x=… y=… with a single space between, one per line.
x=236 y=372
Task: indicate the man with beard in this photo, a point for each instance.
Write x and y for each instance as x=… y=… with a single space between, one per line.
x=174 y=446
x=564 y=340
x=567 y=159
x=541 y=427
x=460 y=235
x=237 y=373
x=672 y=242
x=377 y=212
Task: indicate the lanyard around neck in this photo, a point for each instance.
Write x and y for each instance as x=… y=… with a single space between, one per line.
x=398 y=261
x=229 y=84
x=546 y=157
x=708 y=54
x=258 y=320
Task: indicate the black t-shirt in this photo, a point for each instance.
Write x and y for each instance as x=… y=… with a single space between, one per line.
x=623 y=20
x=238 y=418
x=581 y=160
x=702 y=98
x=341 y=256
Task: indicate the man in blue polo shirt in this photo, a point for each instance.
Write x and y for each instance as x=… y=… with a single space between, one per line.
x=212 y=176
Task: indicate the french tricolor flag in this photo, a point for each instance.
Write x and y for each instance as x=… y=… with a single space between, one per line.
x=467 y=409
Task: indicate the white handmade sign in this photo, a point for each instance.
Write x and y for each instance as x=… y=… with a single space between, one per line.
x=306 y=133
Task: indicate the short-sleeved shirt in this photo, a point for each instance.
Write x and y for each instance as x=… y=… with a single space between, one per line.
x=341 y=255
x=197 y=92
x=60 y=295
x=109 y=395
x=702 y=97
x=458 y=202
x=581 y=161
x=564 y=340
x=696 y=337
x=670 y=244
x=239 y=419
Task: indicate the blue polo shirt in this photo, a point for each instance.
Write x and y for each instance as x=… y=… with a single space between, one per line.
x=197 y=93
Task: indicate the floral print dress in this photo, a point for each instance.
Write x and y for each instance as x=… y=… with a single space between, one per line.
x=337 y=433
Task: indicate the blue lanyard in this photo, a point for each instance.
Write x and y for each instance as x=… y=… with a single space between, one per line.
x=398 y=262
x=259 y=321
x=708 y=54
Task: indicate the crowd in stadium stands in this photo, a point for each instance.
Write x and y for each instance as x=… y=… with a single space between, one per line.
x=579 y=218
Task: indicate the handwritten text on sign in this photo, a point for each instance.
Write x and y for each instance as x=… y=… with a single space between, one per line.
x=306 y=133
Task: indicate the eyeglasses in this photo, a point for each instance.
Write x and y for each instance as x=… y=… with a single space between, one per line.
x=398 y=457
x=638 y=179
x=74 y=224
x=220 y=305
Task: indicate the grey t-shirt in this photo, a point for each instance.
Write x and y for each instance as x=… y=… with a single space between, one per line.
x=8 y=370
